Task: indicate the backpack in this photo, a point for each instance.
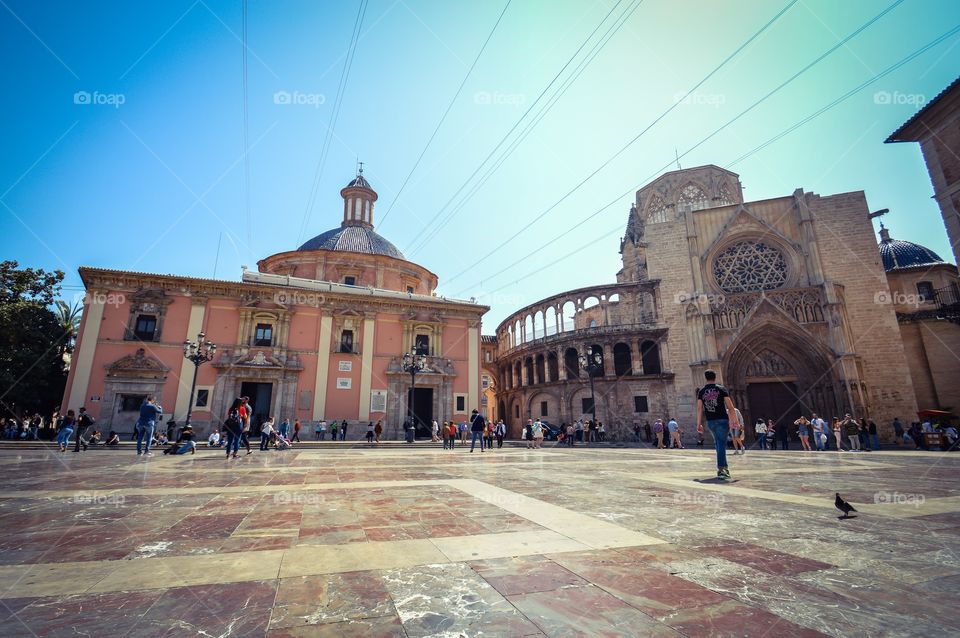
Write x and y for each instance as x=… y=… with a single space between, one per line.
x=232 y=423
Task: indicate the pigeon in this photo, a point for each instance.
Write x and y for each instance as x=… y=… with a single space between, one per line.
x=843 y=506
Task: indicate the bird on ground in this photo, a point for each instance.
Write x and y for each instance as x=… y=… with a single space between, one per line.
x=843 y=506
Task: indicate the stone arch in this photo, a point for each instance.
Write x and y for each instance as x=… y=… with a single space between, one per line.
x=539 y=369
x=528 y=329
x=535 y=407
x=622 y=361
x=553 y=367
x=650 y=357
x=568 y=315
x=539 y=325
x=571 y=362
x=692 y=196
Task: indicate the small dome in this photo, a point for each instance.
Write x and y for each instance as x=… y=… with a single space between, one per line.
x=354 y=239
x=898 y=253
x=359 y=182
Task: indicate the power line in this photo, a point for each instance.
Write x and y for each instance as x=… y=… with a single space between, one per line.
x=334 y=116
x=848 y=94
x=705 y=139
x=584 y=63
x=525 y=113
x=445 y=113
x=767 y=143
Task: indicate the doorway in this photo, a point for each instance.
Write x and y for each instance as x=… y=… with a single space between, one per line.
x=775 y=400
x=422 y=402
x=260 y=395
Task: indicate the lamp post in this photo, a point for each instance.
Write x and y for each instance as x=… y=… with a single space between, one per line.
x=413 y=363
x=591 y=362
x=198 y=353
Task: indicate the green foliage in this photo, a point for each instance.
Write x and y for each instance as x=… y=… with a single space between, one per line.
x=32 y=340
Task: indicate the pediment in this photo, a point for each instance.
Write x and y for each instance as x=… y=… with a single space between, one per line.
x=138 y=362
x=743 y=222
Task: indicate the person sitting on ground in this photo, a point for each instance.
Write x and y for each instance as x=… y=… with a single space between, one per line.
x=95 y=438
x=112 y=439
x=214 y=439
x=185 y=442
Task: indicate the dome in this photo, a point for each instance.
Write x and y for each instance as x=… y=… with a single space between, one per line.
x=898 y=253
x=355 y=239
x=359 y=182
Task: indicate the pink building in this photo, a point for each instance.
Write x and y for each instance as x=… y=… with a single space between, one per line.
x=317 y=332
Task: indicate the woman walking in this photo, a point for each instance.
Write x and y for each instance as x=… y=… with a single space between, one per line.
x=803 y=430
x=234 y=427
x=863 y=433
x=760 y=431
x=66 y=429
x=835 y=428
x=378 y=431
x=537 y=434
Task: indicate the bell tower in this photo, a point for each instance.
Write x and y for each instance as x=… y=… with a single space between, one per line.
x=358 y=199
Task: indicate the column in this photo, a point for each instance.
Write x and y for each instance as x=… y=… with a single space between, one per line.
x=366 y=368
x=82 y=363
x=198 y=307
x=609 y=370
x=473 y=368
x=323 y=364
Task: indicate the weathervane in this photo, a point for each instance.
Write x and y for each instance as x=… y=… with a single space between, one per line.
x=359 y=167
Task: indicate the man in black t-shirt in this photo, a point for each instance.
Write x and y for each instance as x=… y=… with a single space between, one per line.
x=715 y=407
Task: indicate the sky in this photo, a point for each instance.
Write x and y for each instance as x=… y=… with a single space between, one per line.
x=124 y=132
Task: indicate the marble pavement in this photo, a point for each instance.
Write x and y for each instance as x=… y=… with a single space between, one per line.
x=514 y=542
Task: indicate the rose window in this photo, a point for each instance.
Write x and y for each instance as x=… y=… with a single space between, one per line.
x=749 y=266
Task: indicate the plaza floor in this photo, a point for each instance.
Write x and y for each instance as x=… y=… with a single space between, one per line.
x=420 y=541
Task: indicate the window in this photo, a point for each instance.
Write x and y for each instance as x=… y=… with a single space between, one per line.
x=422 y=344
x=484 y=382
x=925 y=291
x=586 y=405
x=543 y=408
x=409 y=290
x=516 y=411
x=145 y=329
x=640 y=404
x=650 y=357
x=691 y=198
x=461 y=403
x=350 y=280
x=749 y=266
x=622 y=361
x=346 y=341
x=488 y=357
x=202 y=398
x=263 y=335
x=131 y=402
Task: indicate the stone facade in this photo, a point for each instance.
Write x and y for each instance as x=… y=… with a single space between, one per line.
x=782 y=297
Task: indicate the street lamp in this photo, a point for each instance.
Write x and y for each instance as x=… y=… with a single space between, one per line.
x=413 y=363
x=591 y=362
x=198 y=353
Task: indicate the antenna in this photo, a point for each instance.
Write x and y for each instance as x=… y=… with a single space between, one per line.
x=677 y=157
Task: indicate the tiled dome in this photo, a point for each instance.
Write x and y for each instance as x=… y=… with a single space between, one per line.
x=898 y=253
x=355 y=239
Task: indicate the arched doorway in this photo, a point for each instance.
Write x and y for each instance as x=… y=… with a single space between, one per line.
x=780 y=372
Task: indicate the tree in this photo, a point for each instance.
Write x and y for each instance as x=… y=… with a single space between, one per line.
x=69 y=319
x=32 y=377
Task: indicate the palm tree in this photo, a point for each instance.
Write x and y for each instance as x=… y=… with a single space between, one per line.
x=69 y=318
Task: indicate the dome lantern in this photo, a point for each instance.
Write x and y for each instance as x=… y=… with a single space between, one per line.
x=358 y=200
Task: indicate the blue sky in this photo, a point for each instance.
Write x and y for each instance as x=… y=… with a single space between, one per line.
x=148 y=174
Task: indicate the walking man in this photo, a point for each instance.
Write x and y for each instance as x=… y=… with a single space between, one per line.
x=343 y=430
x=84 y=421
x=500 y=431
x=476 y=429
x=296 y=431
x=715 y=407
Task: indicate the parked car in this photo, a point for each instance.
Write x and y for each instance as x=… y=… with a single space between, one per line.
x=550 y=431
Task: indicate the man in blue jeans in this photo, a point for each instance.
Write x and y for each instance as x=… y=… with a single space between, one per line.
x=476 y=429
x=149 y=412
x=715 y=406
